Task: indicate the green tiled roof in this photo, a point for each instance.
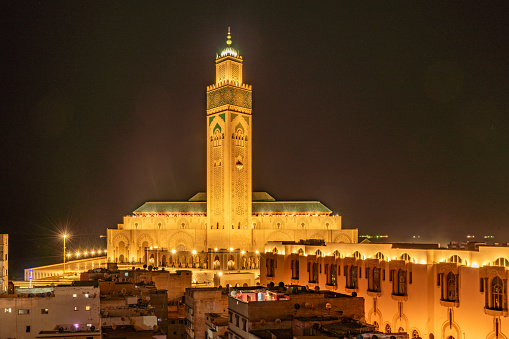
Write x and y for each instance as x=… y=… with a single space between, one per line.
x=172 y=207
x=257 y=196
x=290 y=207
x=195 y=205
x=200 y=196
x=262 y=196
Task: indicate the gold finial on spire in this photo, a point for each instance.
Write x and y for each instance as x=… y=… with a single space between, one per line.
x=229 y=41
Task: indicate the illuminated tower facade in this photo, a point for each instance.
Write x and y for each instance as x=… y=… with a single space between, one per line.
x=229 y=153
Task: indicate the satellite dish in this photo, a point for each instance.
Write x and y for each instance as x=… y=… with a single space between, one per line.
x=307 y=305
x=233 y=293
x=278 y=321
x=296 y=306
x=328 y=306
x=262 y=322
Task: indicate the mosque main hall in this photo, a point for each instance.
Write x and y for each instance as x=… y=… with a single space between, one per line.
x=227 y=226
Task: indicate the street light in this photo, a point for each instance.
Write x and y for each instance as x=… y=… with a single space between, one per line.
x=65 y=236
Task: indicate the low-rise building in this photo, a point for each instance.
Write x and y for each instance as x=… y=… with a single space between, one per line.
x=420 y=289
x=216 y=325
x=51 y=312
x=258 y=311
x=198 y=302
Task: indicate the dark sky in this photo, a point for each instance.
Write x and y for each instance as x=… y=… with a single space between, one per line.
x=394 y=114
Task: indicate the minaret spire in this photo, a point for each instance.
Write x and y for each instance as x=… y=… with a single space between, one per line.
x=229 y=37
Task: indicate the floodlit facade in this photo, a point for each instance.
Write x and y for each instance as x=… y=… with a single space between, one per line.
x=420 y=289
x=4 y=261
x=226 y=227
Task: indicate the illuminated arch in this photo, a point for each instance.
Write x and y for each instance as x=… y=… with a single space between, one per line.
x=451 y=330
x=118 y=238
x=145 y=237
x=455 y=259
x=502 y=262
x=405 y=256
x=182 y=241
x=343 y=238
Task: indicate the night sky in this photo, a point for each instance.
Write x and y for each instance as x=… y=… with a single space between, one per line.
x=393 y=114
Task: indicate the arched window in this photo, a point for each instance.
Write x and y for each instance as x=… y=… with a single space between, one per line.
x=455 y=259
x=497 y=294
x=380 y=255
x=401 y=329
x=357 y=255
x=502 y=262
x=406 y=257
x=274 y=250
x=217 y=137
x=388 y=328
x=301 y=251
x=451 y=287
x=415 y=334
x=318 y=253
x=375 y=323
x=336 y=254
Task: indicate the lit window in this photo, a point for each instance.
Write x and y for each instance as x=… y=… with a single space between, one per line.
x=74 y=295
x=8 y=310
x=76 y=308
x=23 y=311
x=44 y=311
x=87 y=296
x=87 y=308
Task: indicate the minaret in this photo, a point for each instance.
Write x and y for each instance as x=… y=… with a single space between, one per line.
x=229 y=139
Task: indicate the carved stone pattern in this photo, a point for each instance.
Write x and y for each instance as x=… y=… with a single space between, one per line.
x=229 y=95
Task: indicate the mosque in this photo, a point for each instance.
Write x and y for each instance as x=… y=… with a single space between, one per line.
x=227 y=226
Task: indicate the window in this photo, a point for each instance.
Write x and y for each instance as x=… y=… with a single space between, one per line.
x=74 y=295
x=399 y=283
x=380 y=256
x=244 y=324
x=231 y=317
x=406 y=257
x=8 y=310
x=87 y=296
x=376 y=279
x=295 y=269
x=415 y=334
x=27 y=330
x=237 y=320
x=44 y=311
x=270 y=267
x=313 y=274
x=388 y=328
x=87 y=308
x=352 y=277
x=451 y=292
x=333 y=275
x=23 y=311
x=76 y=308
x=497 y=294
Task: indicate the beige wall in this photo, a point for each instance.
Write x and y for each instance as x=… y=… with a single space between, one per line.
x=421 y=309
x=61 y=313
